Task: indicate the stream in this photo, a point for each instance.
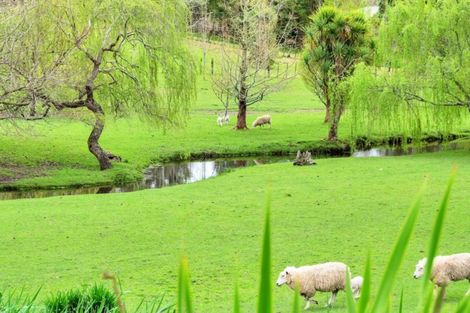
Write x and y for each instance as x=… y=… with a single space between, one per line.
x=169 y=174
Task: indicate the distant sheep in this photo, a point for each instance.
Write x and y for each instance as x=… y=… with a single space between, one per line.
x=223 y=119
x=356 y=286
x=326 y=277
x=262 y=120
x=446 y=269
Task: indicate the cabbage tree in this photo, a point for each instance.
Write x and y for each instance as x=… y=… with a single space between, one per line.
x=335 y=43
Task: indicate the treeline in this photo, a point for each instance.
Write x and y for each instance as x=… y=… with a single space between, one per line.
x=211 y=18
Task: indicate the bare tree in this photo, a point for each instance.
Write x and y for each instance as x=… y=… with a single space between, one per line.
x=103 y=56
x=248 y=71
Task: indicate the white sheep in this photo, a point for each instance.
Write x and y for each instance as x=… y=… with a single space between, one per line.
x=356 y=286
x=325 y=277
x=262 y=120
x=446 y=269
x=223 y=119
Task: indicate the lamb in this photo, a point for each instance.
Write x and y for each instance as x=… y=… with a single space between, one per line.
x=325 y=277
x=447 y=268
x=262 y=120
x=356 y=286
x=223 y=119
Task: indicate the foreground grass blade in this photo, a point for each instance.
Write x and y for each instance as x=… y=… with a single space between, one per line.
x=265 y=295
x=349 y=294
x=428 y=297
x=440 y=300
x=396 y=259
x=295 y=305
x=400 y=308
x=33 y=299
x=426 y=302
x=438 y=226
x=365 y=292
x=236 y=299
x=464 y=306
x=184 y=292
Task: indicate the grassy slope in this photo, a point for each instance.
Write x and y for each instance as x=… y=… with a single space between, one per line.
x=337 y=210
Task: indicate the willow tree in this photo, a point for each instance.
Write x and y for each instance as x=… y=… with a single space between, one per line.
x=421 y=80
x=104 y=56
x=335 y=43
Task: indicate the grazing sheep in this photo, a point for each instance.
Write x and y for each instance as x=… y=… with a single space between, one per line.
x=447 y=268
x=356 y=286
x=326 y=277
x=262 y=120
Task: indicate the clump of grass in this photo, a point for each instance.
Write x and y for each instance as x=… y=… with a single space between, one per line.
x=95 y=299
x=16 y=302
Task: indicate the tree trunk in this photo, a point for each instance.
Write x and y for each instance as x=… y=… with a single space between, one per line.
x=333 y=132
x=241 y=117
x=334 y=121
x=327 y=114
x=103 y=157
x=326 y=93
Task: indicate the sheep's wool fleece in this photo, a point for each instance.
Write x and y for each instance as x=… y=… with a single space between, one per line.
x=326 y=277
x=451 y=268
x=265 y=119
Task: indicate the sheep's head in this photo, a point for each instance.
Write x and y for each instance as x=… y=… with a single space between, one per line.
x=419 y=271
x=285 y=276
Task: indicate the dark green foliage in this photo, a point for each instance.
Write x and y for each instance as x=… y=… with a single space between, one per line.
x=92 y=299
x=383 y=4
x=293 y=17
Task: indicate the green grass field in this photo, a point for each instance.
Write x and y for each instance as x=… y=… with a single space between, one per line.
x=52 y=153
x=338 y=210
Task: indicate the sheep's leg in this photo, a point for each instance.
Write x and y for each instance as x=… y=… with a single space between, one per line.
x=437 y=290
x=307 y=306
x=356 y=293
x=309 y=302
x=332 y=298
x=309 y=299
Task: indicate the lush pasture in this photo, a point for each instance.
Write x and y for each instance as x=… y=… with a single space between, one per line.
x=57 y=148
x=53 y=152
x=338 y=210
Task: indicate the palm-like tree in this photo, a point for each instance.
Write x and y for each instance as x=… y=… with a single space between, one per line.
x=335 y=42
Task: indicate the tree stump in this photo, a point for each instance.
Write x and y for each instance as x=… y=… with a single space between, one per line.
x=304 y=158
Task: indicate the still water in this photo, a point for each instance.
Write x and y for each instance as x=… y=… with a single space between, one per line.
x=169 y=174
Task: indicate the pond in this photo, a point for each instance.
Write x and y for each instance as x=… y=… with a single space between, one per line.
x=169 y=174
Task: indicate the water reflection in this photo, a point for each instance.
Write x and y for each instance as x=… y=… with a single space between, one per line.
x=397 y=151
x=155 y=176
